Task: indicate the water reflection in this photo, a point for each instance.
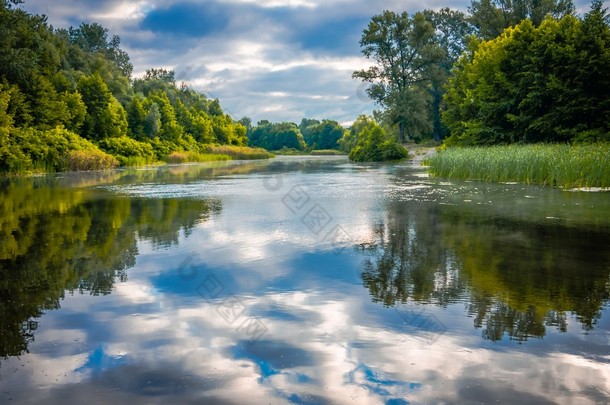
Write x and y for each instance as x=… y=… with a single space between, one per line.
x=168 y=332
x=55 y=240
x=517 y=278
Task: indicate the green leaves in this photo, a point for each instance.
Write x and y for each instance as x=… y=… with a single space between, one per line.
x=412 y=57
x=533 y=84
x=375 y=145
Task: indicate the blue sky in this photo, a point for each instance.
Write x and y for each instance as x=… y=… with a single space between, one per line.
x=265 y=59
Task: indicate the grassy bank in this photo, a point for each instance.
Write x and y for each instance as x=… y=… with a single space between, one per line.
x=555 y=165
x=239 y=152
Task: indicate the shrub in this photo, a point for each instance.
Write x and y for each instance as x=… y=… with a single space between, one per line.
x=128 y=150
x=30 y=150
x=374 y=145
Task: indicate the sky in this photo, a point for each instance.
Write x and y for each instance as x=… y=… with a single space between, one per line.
x=280 y=60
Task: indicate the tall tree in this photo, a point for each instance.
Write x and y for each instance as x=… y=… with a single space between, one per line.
x=403 y=48
x=452 y=33
x=105 y=115
x=413 y=57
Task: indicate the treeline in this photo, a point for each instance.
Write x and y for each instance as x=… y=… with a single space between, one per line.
x=310 y=134
x=523 y=71
x=68 y=101
x=545 y=83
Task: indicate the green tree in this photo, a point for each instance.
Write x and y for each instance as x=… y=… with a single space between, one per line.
x=275 y=136
x=323 y=135
x=452 y=33
x=93 y=39
x=77 y=110
x=350 y=138
x=136 y=118
x=529 y=84
x=105 y=115
x=403 y=48
x=152 y=122
x=491 y=17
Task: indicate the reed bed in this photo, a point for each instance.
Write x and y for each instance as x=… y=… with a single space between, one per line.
x=559 y=165
x=240 y=152
x=186 y=157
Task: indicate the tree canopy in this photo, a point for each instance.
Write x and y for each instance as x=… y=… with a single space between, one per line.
x=531 y=85
x=58 y=85
x=412 y=55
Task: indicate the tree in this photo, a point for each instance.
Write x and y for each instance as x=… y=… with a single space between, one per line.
x=322 y=135
x=275 y=136
x=152 y=122
x=93 y=39
x=105 y=115
x=403 y=48
x=453 y=31
x=413 y=57
x=530 y=85
x=491 y=17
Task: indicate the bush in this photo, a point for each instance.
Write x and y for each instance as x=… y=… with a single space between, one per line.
x=129 y=151
x=92 y=159
x=30 y=150
x=374 y=145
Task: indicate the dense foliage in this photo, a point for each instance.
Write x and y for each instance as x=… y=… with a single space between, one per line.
x=413 y=56
x=508 y=71
x=59 y=88
x=375 y=145
x=311 y=134
x=534 y=84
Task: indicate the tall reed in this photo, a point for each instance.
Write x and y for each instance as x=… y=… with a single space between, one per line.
x=560 y=165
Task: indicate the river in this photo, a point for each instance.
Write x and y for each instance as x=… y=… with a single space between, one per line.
x=301 y=280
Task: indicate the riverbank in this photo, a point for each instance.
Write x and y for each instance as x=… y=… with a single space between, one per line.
x=558 y=165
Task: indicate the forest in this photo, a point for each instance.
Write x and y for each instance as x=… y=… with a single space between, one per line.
x=68 y=101
x=523 y=71
x=504 y=72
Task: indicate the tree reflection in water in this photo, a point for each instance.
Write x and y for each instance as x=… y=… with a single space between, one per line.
x=517 y=278
x=55 y=239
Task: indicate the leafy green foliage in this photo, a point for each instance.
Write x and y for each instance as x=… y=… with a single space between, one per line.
x=322 y=135
x=29 y=150
x=531 y=85
x=275 y=136
x=492 y=17
x=412 y=55
x=124 y=148
x=105 y=117
x=77 y=81
x=375 y=145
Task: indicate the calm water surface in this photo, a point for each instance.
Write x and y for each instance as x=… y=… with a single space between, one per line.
x=301 y=281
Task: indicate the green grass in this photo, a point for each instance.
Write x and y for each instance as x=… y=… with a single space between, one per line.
x=562 y=165
x=327 y=152
x=184 y=157
x=240 y=152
